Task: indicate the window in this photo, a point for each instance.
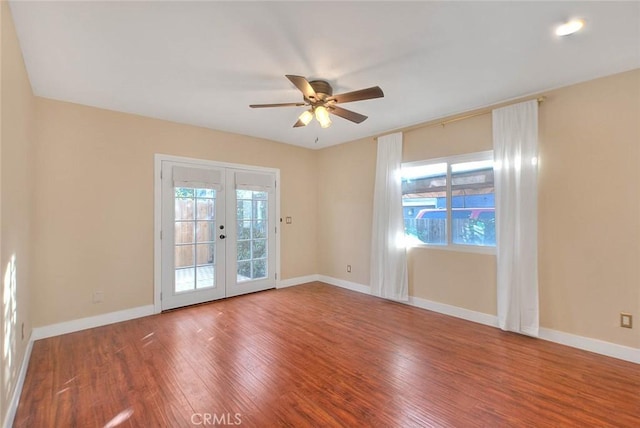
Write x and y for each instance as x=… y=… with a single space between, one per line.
x=450 y=202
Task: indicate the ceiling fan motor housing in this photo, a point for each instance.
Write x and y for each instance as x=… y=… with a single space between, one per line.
x=323 y=90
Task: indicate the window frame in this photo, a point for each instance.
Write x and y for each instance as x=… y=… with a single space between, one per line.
x=449 y=160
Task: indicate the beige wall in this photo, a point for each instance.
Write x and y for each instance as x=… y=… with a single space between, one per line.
x=589 y=208
x=346 y=174
x=589 y=214
x=16 y=134
x=93 y=220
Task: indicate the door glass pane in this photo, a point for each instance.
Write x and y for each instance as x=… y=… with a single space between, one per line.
x=204 y=254
x=259 y=250
x=183 y=256
x=259 y=210
x=244 y=271
x=205 y=276
x=244 y=194
x=194 y=238
x=260 y=195
x=184 y=209
x=183 y=232
x=184 y=192
x=205 y=231
x=252 y=242
x=244 y=209
x=259 y=268
x=184 y=280
x=244 y=229
x=259 y=229
x=205 y=209
x=244 y=250
x=205 y=193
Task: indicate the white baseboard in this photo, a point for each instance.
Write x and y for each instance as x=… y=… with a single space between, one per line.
x=290 y=282
x=609 y=349
x=454 y=311
x=353 y=286
x=601 y=347
x=91 y=322
x=15 y=398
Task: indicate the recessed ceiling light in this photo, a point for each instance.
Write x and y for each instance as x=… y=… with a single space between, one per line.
x=569 y=27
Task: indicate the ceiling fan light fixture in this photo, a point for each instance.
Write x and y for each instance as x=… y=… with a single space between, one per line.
x=322 y=115
x=326 y=123
x=569 y=27
x=306 y=117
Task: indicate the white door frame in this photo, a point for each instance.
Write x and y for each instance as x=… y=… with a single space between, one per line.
x=157 y=212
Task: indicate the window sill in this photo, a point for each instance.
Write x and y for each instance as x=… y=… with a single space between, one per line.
x=456 y=248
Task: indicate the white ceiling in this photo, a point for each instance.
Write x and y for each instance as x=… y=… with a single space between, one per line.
x=203 y=63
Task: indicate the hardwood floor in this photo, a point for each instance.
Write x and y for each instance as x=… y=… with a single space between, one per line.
x=318 y=355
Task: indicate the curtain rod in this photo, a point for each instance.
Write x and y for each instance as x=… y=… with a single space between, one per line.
x=468 y=116
x=456 y=119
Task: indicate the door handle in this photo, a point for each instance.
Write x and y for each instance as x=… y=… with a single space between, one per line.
x=222 y=236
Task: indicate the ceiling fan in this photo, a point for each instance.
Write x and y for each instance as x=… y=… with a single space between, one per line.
x=318 y=96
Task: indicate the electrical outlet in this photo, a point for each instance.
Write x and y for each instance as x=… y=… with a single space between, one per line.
x=626 y=320
x=349 y=268
x=288 y=220
x=98 y=296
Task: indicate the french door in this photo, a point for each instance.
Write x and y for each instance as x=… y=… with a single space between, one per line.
x=217 y=234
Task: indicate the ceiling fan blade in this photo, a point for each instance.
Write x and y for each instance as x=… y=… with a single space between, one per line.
x=362 y=94
x=277 y=105
x=298 y=124
x=302 y=84
x=347 y=114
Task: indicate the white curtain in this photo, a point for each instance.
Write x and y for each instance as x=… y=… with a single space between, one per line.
x=388 y=254
x=515 y=148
